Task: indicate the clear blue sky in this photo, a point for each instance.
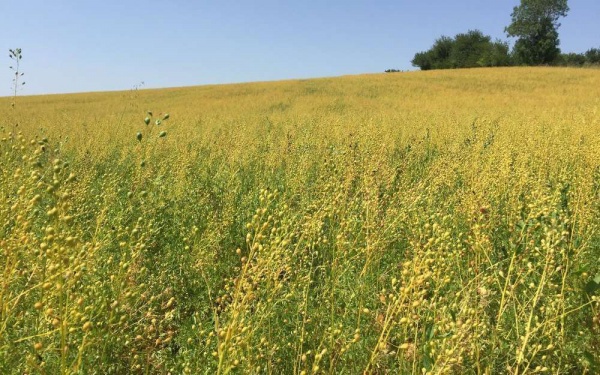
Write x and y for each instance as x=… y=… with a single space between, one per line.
x=81 y=45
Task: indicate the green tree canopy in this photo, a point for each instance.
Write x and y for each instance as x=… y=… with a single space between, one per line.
x=535 y=24
x=466 y=50
x=592 y=56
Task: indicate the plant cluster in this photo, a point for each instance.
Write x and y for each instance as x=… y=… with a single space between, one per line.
x=434 y=223
x=16 y=55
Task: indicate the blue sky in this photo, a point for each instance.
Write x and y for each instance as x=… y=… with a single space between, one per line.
x=80 y=45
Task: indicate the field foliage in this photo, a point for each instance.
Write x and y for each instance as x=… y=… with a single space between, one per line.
x=444 y=222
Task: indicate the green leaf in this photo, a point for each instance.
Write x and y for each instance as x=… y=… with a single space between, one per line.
x=429 y=331
x=591 y=358
x=162 y=134
x=427 y=361
x=593 y=285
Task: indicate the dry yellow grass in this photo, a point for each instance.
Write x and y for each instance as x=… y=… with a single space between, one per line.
x=442 y=221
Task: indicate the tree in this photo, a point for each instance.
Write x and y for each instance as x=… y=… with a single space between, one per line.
x=497 y=55
x=571 y=59
x=437 y=57
x=474 y=49
x=466 y=50
x=423 y=60
x=592 y=56
x=535 y=24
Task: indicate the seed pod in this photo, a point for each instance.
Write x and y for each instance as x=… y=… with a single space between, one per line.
x=87 y=326
x=147 y=120
x=170 y=303
x=162 y=134
x=139 y=136
x=71 y=241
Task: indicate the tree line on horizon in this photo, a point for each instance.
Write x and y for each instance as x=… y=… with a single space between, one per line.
x=534 y=24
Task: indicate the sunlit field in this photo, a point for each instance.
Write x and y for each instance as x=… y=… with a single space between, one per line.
x=440 y=222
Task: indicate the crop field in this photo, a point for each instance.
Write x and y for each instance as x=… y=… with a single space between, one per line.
x=443 y=222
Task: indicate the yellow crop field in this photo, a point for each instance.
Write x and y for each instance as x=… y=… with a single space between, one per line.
x=442 y=222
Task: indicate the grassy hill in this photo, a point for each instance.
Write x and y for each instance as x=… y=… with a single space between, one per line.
x=389 y=223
